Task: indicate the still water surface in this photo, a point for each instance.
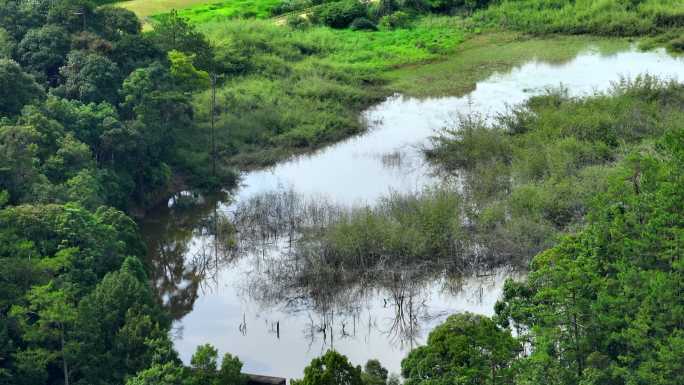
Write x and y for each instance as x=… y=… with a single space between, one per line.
x=276 y=328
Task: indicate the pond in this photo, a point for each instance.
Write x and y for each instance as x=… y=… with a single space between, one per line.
x=253 y=304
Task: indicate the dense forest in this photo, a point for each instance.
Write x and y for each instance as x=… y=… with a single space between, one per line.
x=93 y=119
x=102 y=117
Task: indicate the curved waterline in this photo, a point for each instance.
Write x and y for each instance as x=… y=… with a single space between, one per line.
x=237 y=303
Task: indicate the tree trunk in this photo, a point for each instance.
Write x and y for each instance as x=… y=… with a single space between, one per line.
x=64 y=360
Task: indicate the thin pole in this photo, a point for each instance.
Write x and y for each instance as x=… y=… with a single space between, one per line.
x=213 y=135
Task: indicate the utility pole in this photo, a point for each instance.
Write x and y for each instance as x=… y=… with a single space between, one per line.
x=82 y=12
x=213 y=134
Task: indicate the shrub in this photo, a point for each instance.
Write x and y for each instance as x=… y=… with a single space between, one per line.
x=363 y=24
x=445 y=6
x=469 y=143
x=340 y=14
x=298 y=22
x=331 y=368
x=467 y=347
x=606 y=17
x=399 y=19
x=382 y=8
x=290 y=6
x=677 y=44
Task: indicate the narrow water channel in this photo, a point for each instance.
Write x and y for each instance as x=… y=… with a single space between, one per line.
x=241 y=303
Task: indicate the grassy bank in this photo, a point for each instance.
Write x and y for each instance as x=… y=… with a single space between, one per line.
x=605 y=17
x=660 y=22
x=308 y=86
x=482 y=55
x=293 y=90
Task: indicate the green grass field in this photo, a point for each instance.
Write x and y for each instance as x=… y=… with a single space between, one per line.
x=231 y=9
x=430 y=38
x=482 y=55
x=146 y=8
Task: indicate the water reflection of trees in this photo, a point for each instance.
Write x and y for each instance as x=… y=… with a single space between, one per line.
x=281 y=238
x=296 y=270
x=188 y=241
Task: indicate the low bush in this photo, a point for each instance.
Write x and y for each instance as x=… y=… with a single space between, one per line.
x=298 y=22
x=362 y=24
x=290 y=6
x=599 y=17
x=543 y=164
x=448 y=6
x=340 y=14
x=398 y=19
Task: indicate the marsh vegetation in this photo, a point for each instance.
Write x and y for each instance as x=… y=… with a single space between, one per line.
x=100 y=120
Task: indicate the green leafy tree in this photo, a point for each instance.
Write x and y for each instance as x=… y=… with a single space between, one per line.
x=204 y=365
x=7 y=44
x=465 y=349
x=125 y=228
x=603 y=307
x=114 y=22
x=330 y=369
x=115 y=322
x=43 y=51
x=160 y=114
x=172 y=32
x=340 y=14
x=6 y=350
x=231 y=371
x=74 y=15
x=49 y=131
x=4 y=198
x=84 y=188
x=161 y=374
x=203 y=369
x=47 y=322
x=17 y=17
x=185 y=75
x=165 y=369
x=17 y=88
x=18 y=158
x=134 y=51
x=71 y=157
x=87 y=245
x=92 y=124
x=89 y=77
x=374 y=373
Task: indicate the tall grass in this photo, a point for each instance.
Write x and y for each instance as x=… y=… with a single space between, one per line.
x=544 y=162
x=224 y=10
x=527 y=179
x=428 y=38
x=284 y=96
x=293 y=90
x=599 y=17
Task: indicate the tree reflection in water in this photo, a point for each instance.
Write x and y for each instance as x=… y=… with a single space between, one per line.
x=293 y=269
x=278 y=236
x=188 y=241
